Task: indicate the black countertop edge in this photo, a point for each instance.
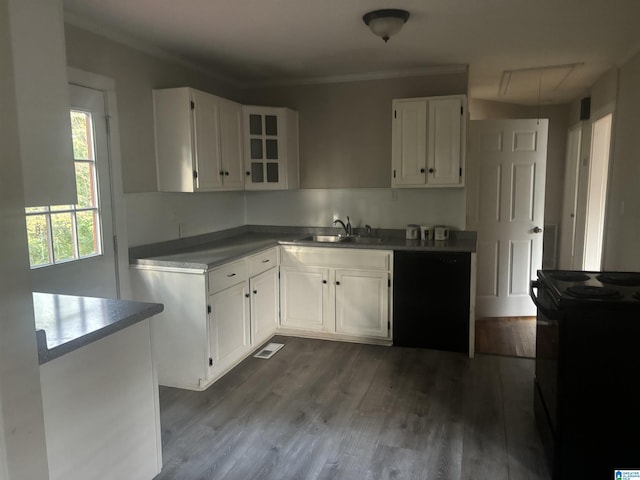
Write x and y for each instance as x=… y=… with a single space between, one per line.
x=65 y=323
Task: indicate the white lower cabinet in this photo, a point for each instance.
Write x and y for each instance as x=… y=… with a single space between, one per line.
x=211 y=319
x=304 y=292
x=265 y=305
x=229 y=327
x=362 y=303
x=319 y=298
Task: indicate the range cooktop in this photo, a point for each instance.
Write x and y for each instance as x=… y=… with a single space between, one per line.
x=591 y=288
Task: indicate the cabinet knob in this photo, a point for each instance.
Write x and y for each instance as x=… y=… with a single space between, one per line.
x=324 y=281
x=221 y=172
x=247 y=295
x=337 y=283
x=255 y=292
x=248 y=174
x=431 y=170
x=422 y=170
x=226 y=173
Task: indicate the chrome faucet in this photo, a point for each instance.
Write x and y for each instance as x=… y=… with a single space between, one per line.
x=347 y=228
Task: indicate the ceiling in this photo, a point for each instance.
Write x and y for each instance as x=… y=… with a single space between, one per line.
x=517 y=51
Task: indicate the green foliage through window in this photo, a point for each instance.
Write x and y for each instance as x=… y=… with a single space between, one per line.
x=62 y=233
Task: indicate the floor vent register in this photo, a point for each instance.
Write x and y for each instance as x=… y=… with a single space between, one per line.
x=269 y=350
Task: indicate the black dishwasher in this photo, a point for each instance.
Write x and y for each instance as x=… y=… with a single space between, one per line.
x=431 y=300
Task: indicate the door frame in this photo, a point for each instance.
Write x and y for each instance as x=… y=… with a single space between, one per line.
x=107 y=86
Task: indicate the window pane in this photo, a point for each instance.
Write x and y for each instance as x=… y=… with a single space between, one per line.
x=272 y=149
x=272 y=173
x=85 y=183
x=257 y=172
x=256 y=148
x=61 y=208
x=255 y=124
x=88 y=235
x=63 y=244
x=271 y=125
x=81 y=134
x=38 y=238
x=35 y=209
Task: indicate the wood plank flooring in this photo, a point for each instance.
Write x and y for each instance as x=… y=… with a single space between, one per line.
x=512 y=336
x=333 y=410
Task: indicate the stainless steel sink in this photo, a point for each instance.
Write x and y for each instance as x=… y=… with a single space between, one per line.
x=343 y=239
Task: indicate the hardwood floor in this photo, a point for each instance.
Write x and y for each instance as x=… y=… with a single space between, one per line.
x=511 y=336
x=333 y=410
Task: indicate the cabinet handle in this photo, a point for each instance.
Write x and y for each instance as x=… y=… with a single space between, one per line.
x=255 y=292
x=266 y=261
x=431 y=170
x=231 y=275
x=422 y=170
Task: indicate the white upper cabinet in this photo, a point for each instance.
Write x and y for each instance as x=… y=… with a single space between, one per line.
x=270 y=148
x=428 y=141
x=42 y=95
x=198 y=141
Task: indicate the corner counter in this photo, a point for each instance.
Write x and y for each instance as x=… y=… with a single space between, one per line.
x=99 y=384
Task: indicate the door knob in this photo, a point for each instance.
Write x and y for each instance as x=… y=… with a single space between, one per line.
x=537 y=230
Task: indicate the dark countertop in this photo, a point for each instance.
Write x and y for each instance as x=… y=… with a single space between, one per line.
x=66 y=322
x=210 y=250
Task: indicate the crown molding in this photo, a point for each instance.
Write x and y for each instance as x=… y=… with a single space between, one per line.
x=144 y=47
x=360 y=77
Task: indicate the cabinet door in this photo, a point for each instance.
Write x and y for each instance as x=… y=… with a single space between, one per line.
x=303 y=295
x=362 y=303
x=265 y=305
x=264 y=150
x=229 y=335
x=445 y=145
x=408 y=140
x=208 y=165
x=231 y=145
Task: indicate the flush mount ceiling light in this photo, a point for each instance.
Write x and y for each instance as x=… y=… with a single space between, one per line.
x=387 y=22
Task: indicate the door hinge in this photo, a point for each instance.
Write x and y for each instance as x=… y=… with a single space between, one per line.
x=395 y=114
x=195 y=174
x=193 y=105
x=461 y=110
x=115 y=244
x=208 y=308
x=107 y=120
x=394 y=173
x=388 y=325
x=210 y=362
x=389 y=283
x=460 y=171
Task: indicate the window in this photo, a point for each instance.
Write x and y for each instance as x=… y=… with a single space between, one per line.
x=63 y=233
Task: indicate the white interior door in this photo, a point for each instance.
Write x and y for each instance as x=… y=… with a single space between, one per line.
x=570 y=200
x=509 y=164
x=94 y=273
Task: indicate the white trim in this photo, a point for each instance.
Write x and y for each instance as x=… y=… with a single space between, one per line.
x=360 y=77
x=108 y=86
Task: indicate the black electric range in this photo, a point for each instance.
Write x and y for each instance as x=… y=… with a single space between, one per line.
x=586 y=371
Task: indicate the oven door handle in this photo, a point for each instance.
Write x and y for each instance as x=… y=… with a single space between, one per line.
x=544 y=309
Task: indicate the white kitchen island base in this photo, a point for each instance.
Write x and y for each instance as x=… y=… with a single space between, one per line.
x=101 y=409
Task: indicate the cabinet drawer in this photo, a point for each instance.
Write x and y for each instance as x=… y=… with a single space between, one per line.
x=336 y=257
x=227 y=275
x=263 y=261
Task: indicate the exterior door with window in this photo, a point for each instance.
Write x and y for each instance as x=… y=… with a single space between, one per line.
x=71 y=247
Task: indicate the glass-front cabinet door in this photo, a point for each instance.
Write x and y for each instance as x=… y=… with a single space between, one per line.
x=265 y=148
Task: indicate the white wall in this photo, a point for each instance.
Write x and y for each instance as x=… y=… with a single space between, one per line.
x=622 y=234
x=380 y=208
x=22 y=442
x=156 y=217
